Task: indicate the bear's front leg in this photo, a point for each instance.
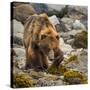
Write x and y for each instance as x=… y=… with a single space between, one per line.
x=58 y=57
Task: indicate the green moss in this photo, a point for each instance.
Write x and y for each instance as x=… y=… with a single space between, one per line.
x=53 y=69
x=23 y=80
x=57 y=70
x=71 y=59
x=74 y=77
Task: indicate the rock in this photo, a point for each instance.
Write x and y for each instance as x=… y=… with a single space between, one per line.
x=40 y=7
x=56 y=7
x=17 y=45
x=17 y=39
x=73 y=32
x=74 y=77
x=59 y=12
x=80 y=63
x=20 y=52
x=78 y=25
x=70 y=59
x=17 y=27
x=19 y=58
x=68 y=22
x=23 y=80
x=57 y=70
x=77 y=12
x=78 y=9
x=60 y=26
x=36 y=75
x=54 y=20
x=81 y=40
x=66 y=48
x=70 y=41
x=65 y=36
x=20 y=62
x=50 y=80
x=22 y=12
x=69 y=35
x=17 y=32
x=43 y=82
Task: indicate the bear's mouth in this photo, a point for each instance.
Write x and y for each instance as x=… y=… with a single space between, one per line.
x=51 y=55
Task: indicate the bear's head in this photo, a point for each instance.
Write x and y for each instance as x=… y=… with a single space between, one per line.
x=43 y=33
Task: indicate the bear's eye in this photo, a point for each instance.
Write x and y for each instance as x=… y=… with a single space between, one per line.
x=57 y=37
x=43 y=37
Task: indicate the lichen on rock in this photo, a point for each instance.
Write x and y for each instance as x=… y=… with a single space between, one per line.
x=71 y=59
x=74 y=77
x=81 y=40
x=57 y=70
x=23 y=80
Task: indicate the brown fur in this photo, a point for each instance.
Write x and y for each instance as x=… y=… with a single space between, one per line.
x=40 y=36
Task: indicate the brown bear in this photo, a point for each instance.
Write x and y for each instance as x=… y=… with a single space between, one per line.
x=40 y=37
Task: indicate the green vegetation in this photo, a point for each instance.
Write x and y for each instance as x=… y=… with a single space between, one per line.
x=74 y=77
x=23 y=80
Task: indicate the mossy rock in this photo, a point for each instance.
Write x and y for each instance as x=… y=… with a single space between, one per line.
x=36 y=75
x=57 y=70
x=23 y=80
x=51 y=78
x=71 y=59
x=74 y=77
x=81 y=40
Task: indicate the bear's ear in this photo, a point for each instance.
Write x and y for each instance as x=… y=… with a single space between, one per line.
x=44 y=15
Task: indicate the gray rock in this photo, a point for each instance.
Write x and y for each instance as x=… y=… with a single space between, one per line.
x=22 y=12
x=70 y=41
x=78 y=25
x=17 y=39
x=69 y=35
x=19 y=59
x=17 y=32
x=68 y=22
x=81 y=64
x=17 y=27
x=66 y=48
x=55 y=7
x=54 y=20
x=60 y=26
x=20 y=52
x=81 y=9
x=20 y=62
x=44 y=82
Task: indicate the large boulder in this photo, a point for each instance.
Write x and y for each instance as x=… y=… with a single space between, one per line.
x=60 y=26
x=19 y=58
x=78 y=25
x=22 y=12
x=17 y=32
x=81 y=40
